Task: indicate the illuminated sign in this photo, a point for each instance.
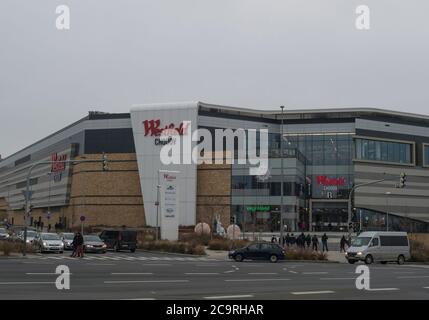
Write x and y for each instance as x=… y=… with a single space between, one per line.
x=58 y=166
x=325 y=181
x=258 y=208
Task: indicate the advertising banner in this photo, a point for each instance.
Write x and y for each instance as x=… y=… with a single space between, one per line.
x=169 y=213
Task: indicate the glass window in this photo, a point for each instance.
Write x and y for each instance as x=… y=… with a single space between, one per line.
x=375 y=150
x=426 y=155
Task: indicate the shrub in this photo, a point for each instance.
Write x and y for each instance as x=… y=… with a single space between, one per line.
x=8 y=247
x=173 y=247
x=226 y=244
x=419 y=247
x=304 y=254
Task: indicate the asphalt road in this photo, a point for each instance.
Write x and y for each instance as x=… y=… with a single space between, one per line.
x=163 y=276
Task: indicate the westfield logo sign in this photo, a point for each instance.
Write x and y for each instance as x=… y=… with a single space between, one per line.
x=154 y=128
x=325 y=181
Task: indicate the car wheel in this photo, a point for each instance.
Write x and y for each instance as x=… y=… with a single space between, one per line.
x=383 y=262
x=369 y=259
x=238 y=258
x=61 y=252
x=352 y=261
x=273 y=258
x=401 y=259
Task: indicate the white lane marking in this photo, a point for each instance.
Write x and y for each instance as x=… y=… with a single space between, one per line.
x=256 y=273
x=337 y=278
x=101 y=264
x=253 y=280
x=229 y=271
x=201 y=273
x=383 y=289
x=44 y=274
x=207 y=265
x=130 y=273
x=293 y=272
x=26 y=282
x=231 y=297
x=425 y=287
x=139 y=299
x=312 y=292
x=147 y=281
x=404 y=272
x=156 y=264
x=47 y=263
x=322 y=272
x=412 y=277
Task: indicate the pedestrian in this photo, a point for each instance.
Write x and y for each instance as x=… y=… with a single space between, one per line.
x=74 y=246
x=49 y=227
x=302 y=236
x=41 y=226
x=273 y=239
x=79 y=245
x=315 y=242
x=287 y=239
x=343 y=242
x=308 y=240
x=325 y=242
x=292 y=239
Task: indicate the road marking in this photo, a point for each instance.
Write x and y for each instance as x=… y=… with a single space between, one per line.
x=26 y=282
x=337 y=279
x=44 y=274
x=312 y=292
x=425 y=287
x=101 y=264
x=404 y=272
x=383 y=289
x=412 y=277
x=147 y=281
x=157 y=264
x=130 y=273
x=139 y=299
x=256 y=273
x=229 y=271
x=293 y=272
x=314 y=272
x=231 y=297
x=253 y=280
x=201 y=273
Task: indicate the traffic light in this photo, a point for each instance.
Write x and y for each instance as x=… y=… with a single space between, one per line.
x=350 y=225
x=402 y=180
x=105 y=162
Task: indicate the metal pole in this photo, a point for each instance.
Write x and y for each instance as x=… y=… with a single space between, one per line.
x=282 y=177
x=49 y=196
x=388 y=193
x=157 y=207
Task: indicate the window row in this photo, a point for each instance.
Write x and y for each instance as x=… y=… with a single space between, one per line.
x=386 y=151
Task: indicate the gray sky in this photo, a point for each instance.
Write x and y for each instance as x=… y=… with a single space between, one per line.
x=247 y=53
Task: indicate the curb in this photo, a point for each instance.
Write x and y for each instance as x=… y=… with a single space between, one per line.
x=173 y=253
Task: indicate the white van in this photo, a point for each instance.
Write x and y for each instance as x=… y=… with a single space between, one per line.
x=379 y=246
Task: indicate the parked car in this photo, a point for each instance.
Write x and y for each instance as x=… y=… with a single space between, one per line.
x=31 y=235
x=120 y=239
x=379 y=246
x=67 y=238
x=48 y=242
x=3 y=234
x=258 y=251
x=93 y=243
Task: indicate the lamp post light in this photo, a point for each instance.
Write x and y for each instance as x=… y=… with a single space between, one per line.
x=282 y=177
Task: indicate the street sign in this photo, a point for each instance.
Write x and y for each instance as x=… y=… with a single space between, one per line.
x=82 y=218
x=49 y=215
x=27 y=197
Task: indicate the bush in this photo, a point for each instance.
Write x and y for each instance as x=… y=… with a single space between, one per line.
x=8 y=247
x=226 y=244
x=304 y=254
x=173 y=247
x=192 y=237
x=419 y=247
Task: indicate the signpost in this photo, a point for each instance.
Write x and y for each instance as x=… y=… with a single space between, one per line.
x=82 y=219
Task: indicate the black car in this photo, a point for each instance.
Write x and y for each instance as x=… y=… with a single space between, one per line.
x=258 y=251
x=120 y=239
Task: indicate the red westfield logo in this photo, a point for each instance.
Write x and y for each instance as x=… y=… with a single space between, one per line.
x=153 y=128
x=325 y=181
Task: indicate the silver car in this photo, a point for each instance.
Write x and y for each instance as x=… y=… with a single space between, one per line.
x=93 y=243
x=67 y=239
x=31 y=235
x=3 y=234
x=48 y=242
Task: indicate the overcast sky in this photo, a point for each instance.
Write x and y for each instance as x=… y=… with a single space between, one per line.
x=246 y=53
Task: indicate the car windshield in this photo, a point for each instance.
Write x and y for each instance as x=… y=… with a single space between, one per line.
x=360 y=241
x=68 y=236
x=50 y=236
x=2 y=230
x=92 y=238
x=30 y=234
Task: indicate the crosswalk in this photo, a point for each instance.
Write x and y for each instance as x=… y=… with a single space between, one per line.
x=121 y=257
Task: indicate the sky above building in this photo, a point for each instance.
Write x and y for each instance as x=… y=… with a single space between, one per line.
x=246 y=53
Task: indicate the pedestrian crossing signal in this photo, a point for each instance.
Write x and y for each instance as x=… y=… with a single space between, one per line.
x=402 y=180
x=105 y=162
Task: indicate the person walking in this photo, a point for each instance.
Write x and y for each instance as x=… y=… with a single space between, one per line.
x=287 y=239
x=343 y=243
x=273 y=239
x=79 y=245
x=308 y=240
x=315 y=242
x=292 y=239
x=325 y=243
x=74 y=245
x=49 y=227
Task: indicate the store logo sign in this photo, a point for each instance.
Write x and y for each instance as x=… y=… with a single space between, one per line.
x=153 y=128
x=58 y=166
x=325 y=181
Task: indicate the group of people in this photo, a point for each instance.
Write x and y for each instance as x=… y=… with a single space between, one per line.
x=306 y=241
x=39 y=225
x=77 y=245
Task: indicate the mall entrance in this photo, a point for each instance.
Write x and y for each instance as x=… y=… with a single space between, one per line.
x=328 y=215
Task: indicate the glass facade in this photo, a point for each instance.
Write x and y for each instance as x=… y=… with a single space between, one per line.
x=386 y=151
x=426 y=155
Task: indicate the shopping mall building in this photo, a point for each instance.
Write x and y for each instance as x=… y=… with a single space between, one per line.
x=325 y=153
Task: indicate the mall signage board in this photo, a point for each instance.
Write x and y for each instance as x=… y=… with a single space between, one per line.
x=169 y=213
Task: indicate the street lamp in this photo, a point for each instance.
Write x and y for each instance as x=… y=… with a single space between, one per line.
x=282 y=177
x=158 y=187
x=388 y=193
